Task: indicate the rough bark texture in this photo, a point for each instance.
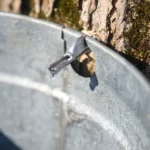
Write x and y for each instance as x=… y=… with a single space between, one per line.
x=121 y=24
x=105 y=19
x=10 y=5
x=44 y=6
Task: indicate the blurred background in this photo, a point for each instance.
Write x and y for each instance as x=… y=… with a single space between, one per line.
x=67 y=14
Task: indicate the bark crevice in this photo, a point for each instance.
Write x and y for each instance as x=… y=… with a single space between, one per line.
x=109 y=21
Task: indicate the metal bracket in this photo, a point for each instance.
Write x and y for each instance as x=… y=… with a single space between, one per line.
x=77 y=49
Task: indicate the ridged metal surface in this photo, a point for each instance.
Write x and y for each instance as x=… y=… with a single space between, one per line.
x=63 y=113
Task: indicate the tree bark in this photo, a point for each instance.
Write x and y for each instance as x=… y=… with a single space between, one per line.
x=105 y=19
x=10 y=5
x=121 y=24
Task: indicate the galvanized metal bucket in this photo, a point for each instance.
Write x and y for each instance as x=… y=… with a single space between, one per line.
x=110 y=110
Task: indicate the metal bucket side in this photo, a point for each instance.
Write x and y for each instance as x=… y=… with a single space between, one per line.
x=37 y=112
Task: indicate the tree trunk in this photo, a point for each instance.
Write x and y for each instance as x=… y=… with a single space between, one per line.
x=105 y=19
x=121 y=24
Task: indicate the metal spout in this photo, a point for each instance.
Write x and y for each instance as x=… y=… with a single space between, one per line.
x=77 y=49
